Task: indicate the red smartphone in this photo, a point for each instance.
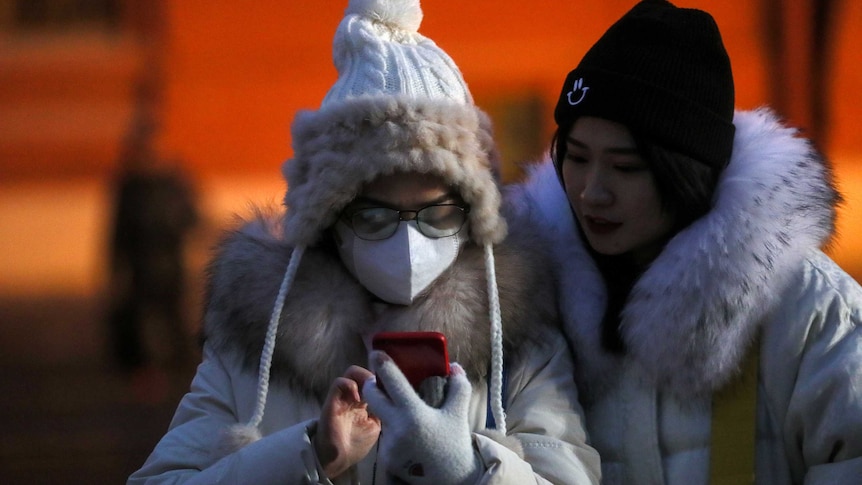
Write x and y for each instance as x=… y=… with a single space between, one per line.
x=419 y=355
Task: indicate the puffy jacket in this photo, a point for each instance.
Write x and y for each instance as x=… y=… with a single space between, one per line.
x=750 y=272
x=326 y=321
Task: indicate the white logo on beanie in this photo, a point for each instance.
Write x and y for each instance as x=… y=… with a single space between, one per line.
x=578 y=86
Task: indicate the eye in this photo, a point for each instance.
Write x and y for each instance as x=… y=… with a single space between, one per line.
x=372 y=216
x=373 y=222
x=576 y=158
x=631 y=168
x=441 y=216
x=441 y=220
x=628 y=163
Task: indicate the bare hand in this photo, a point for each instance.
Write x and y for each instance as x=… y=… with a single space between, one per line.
x=346 y=430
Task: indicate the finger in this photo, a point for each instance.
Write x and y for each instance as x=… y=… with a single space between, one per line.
x=393 y=380
x=358 y=374
x=458 y=394
x=378 y=402
x=348 y=390
x=334 y=392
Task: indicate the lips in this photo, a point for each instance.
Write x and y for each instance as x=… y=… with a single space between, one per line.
x=599 y=226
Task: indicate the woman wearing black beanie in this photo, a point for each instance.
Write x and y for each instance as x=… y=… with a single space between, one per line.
x=687 y=238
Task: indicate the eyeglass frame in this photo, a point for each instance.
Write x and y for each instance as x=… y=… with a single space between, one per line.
x=348 y=219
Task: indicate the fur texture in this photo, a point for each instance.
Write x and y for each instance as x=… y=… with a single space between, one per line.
x=693 y=314
x=342 y=147
x=327 y=311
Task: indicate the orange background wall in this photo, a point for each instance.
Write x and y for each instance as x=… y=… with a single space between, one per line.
x=237 y=72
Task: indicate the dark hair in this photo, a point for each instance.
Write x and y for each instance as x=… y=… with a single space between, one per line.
x=685 y=185
x=686 y=188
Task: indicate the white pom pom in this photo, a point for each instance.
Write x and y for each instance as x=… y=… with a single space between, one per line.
x=404 y=14
x=235 y=438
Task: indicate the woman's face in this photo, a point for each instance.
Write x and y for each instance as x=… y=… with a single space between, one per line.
x=613 y=192
x=394 y=259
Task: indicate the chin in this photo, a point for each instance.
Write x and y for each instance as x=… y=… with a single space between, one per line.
x=604 y=250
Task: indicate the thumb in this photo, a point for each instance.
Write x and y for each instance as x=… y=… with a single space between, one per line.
x=378 y=401
x=458 y=394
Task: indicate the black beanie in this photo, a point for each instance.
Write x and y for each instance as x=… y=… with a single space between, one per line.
x=664 y=73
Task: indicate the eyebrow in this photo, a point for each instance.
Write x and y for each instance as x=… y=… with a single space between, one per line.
x=364 y=200
x=616 y=150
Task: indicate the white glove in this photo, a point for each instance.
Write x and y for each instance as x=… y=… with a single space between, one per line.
x=419 y=443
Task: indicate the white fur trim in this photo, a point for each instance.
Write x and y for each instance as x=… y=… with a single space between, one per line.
x=327 y=309
x=693 y=313
x=342 y=147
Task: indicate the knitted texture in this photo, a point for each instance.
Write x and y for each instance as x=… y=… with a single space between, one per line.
x=420 y=444
x=399 y=104
x=379 y=34
x=496 y=390
x=663 y=72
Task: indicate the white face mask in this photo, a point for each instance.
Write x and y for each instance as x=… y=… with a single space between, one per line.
x=400 y=267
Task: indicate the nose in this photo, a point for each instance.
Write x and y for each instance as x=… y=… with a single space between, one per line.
x=407 y=215
x=596 y=190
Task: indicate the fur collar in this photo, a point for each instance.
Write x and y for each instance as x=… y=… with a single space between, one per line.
x=327 y=313
x=693 y=314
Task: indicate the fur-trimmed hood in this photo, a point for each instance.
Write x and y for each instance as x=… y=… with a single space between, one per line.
x=694 y=312
x=328 y=313
x=339 y=148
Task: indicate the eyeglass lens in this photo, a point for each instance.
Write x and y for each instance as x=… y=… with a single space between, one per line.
x=433 y=221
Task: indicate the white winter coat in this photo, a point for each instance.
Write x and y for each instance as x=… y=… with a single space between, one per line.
x=327 y=317
x=751 y=266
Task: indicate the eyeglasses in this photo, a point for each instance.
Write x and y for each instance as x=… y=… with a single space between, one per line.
x=434 y=221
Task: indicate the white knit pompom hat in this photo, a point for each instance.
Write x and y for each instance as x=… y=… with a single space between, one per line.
x=377 y=50
x=399 y=104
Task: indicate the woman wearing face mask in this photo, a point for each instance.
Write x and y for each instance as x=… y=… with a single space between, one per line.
x=392 y=224
x=686 y=239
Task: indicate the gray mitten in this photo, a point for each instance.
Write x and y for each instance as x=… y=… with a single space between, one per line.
x=419 y=443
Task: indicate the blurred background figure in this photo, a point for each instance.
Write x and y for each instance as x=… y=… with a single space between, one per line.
x=800 y=41
x=154 y=212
